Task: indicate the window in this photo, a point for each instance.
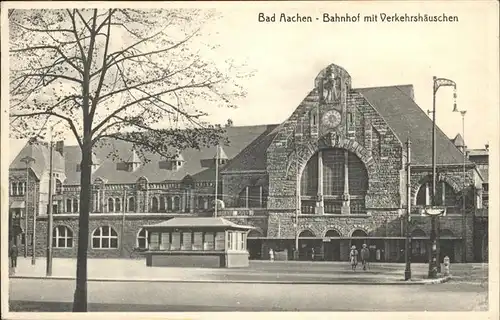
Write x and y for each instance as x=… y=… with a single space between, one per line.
x=111 y=205
x=198 y=241
x=187 y=242
x=131 y=204
x=165 y=241
x=154 y=204
x=155 y=241
x=243 y=241
x=219 y=241
x=177 y=203
x=142 y=239
x=376 y=143
x=118 y=205
x=445 y=195
x=209 y=242
x=162 y=204
x=104 y=238
x=17 y=188
x=69 y=205
x=75 y=205
x=229 y=240
x=62 y=237
x=58 y=186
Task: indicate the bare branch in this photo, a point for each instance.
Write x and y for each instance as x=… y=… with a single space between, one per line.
x=52 y=75
x=50 y=113
x=77 y=38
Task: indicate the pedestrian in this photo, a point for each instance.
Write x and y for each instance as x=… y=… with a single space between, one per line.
x=353 y=256
x=271 y=254
x=13 y=256
x=365 y=255
x=312 y=254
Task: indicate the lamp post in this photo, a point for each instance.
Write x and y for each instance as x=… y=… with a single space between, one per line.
x=408 y=210
x=464 y=217
x=48 y=270
x=434 y=259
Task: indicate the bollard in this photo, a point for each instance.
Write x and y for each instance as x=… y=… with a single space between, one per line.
x=446 y=264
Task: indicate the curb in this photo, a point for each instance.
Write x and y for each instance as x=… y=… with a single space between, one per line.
x=339 y=282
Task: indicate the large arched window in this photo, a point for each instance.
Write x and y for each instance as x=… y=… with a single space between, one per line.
x=445 y=195
x=104 y=238
x=334 y=163
x=62 y=237
x=142 y=239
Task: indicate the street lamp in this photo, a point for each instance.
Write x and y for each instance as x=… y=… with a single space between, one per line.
x=28 y=161
x=437 y=83
x=408 y=211
x=464 y=218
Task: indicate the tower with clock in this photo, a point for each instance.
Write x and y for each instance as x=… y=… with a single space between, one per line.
x=333 y=85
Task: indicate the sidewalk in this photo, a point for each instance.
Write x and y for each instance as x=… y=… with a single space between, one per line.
x=285 y=272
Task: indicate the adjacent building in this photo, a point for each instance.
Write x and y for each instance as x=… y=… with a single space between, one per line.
x=330 y=176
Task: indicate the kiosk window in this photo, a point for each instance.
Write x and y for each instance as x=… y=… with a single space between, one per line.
x=208 y=244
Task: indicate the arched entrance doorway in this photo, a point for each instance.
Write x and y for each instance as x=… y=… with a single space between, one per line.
x=254 y=244
x=447 y=245
x=418 y=246
x=308 y=245
x=332 y=246
x=358 y=238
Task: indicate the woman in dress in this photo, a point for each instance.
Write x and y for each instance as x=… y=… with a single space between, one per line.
x=353 y=257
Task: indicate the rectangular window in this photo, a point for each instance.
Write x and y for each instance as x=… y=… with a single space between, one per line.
x=165 y=241
x=242 y=241
x=198 y=241
x=219 y=241
x=176 y=241
x=234 y=241
x=208 y=244
x=154 y=242
x=187 y=243
x=229 y=240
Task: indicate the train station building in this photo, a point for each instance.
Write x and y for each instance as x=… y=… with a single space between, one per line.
x=331 y=175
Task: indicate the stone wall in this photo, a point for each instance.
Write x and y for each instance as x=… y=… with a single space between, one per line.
x=233 y=184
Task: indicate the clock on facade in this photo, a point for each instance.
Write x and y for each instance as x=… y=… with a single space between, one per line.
x=331 y=118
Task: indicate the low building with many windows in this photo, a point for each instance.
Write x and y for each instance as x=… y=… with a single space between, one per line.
x=330 y=176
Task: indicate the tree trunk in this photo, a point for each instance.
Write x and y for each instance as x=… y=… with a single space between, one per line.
x=80 y=297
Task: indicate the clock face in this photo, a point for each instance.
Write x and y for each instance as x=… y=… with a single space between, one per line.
x=332 y=118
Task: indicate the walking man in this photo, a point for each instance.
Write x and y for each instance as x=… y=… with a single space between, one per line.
x=365 y=256
x=13 y=256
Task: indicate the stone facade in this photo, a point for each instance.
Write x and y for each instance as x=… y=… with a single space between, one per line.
x=333 y=116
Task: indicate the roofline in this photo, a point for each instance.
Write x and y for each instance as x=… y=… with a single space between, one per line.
x=388 y=86
x=243 y=171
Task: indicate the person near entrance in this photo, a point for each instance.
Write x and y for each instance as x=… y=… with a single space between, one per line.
x=353 y=257
x=365 y=256
x=14 y=252
x=271 y=254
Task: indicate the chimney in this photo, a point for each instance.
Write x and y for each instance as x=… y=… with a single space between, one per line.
x=60 y=147
x=487 y=146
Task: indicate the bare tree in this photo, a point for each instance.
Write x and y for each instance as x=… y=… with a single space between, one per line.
x=132 y=75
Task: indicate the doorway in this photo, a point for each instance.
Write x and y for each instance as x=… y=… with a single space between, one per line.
x=332 y=246
x=358 y=239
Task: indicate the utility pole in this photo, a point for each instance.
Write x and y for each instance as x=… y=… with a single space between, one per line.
x=464 y=215
x=408 y=211
x=48 y=270
x=216 y=180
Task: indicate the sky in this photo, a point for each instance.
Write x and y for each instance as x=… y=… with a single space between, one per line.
x=288 y=56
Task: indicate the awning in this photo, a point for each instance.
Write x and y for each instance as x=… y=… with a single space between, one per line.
x=18 y=204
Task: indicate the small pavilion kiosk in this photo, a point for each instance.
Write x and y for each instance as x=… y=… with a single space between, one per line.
x=203 y=242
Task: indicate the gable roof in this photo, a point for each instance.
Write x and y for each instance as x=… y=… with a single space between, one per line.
x=195 y=222
x=406 y=118
x=41 y=155
x=254 y=156
x=239 y=138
